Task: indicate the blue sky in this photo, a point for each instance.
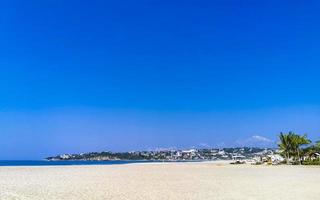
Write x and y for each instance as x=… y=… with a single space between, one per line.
x=96 y=75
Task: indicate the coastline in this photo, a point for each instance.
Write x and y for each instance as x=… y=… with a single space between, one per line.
x=44 y=163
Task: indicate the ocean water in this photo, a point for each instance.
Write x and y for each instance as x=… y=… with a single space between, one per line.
x=59 y=163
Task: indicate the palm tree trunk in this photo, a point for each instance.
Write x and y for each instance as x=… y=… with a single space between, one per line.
x=287 y=159
x=299 y=157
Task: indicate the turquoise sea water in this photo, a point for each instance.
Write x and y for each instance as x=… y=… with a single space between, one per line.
x=59 y=163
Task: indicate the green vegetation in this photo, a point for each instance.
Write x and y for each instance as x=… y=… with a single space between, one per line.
x=311 y=162
x=297 y=149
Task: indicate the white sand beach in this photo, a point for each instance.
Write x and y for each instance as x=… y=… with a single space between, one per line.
x=199 y=181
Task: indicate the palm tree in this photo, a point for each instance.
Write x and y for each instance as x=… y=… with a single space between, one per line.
x=311 y=150
x=317 y=144
x=297 y=142
x=291 y=144
x=285 y=145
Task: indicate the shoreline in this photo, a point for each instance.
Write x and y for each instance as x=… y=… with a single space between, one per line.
x=130 y=162
x=41 y=163
x=218 y=163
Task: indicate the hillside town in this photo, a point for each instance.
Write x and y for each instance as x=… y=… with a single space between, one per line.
x=244 y=153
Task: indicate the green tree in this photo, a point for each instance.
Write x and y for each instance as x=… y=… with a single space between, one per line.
x=311 y=150
x=297 y=142
x=291 y=145
x=285 y=145
x=317 y=145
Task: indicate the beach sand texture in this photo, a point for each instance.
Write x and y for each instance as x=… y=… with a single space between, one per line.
x=160 y=181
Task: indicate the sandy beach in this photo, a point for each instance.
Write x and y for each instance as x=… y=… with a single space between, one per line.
x=160 y=181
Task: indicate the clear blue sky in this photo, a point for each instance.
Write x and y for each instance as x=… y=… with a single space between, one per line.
x=100 y=75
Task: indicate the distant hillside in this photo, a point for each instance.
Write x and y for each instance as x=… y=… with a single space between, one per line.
x=169 y=155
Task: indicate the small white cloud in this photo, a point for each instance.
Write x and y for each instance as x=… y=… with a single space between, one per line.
x=203 y=145
x=220 y=145
x=260 y=138
x=256 y=141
